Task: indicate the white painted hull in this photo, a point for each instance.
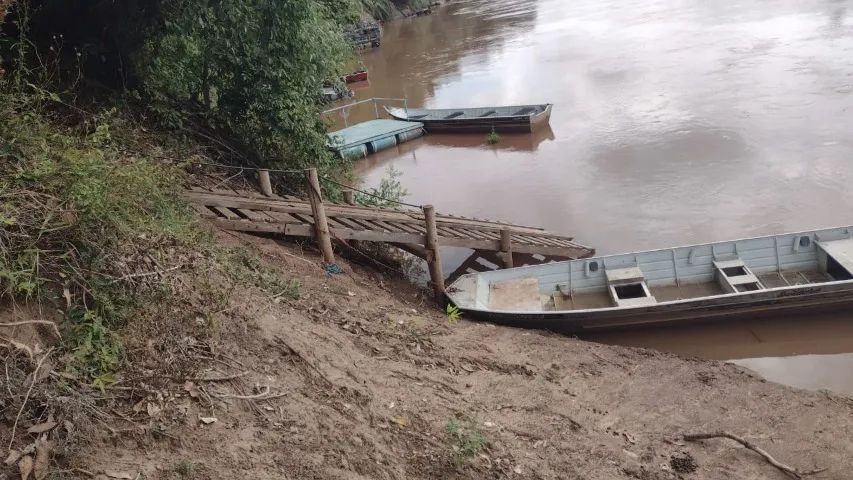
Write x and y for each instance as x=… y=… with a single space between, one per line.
x=763 y=258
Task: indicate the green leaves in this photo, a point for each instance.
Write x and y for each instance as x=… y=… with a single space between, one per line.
x=254 y=68
x=453 y=313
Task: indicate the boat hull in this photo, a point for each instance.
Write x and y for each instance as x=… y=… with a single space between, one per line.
x=510 y=124
x=356 y=77
x=781 y=302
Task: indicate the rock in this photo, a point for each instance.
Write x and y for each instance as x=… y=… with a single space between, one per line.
x=208 y=420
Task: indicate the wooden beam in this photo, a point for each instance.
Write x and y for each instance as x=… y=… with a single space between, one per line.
x=433 y=259
x=506 y=248
x=264 y=179
x=321 y=224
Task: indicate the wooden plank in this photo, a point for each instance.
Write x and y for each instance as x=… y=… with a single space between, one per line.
x=296 y=214
x=490 y=234
x=406 y=227
x=336 y=223
x=364 y=224
x=303 y=230
x=349 y=223
x=245 y=226
x=542 y=240
x=227 y=213
x=285 y=207
x=203 y=211
x=299 y=206
x=387 y=226
x=255 y=217
x=462 y=234
x=283 y=217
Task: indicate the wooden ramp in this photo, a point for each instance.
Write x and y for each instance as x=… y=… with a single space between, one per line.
x=254 y=212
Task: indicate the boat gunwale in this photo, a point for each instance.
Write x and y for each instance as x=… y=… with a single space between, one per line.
x=657 y=304
x=390 y=110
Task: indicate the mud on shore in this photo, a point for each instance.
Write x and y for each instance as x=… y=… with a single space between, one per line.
x=362 y=378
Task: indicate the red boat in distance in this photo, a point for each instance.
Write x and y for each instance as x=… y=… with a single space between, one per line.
x=358 y=76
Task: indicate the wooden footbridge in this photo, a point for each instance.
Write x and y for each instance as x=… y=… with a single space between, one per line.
x=420 y=232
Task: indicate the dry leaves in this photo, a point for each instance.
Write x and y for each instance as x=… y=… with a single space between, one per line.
x=25 y=466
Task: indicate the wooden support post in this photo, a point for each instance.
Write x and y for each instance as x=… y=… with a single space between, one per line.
x=506 y=248
x=349 y=196
x=433 y=259
x=321 y=224
x=266 y=185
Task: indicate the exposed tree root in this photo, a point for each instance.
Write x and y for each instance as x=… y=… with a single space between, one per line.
x=793 y=472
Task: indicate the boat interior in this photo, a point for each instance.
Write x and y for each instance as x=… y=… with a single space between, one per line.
x=467 y=113
x=749 y=266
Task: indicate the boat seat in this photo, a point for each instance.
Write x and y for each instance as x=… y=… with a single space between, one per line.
x=454 y=115
x=734 y=276
x=627 y=287
x=490 y=112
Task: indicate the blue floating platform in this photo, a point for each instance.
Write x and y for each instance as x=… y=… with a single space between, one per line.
x=372 y=136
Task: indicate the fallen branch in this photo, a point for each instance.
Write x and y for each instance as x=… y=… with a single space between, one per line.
x=218 y=379
x=33 y=322
x=145 y=274
x=27 y=396
x=793 y=472
x=263 y=395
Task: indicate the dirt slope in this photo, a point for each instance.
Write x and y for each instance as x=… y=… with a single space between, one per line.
x=365 y=375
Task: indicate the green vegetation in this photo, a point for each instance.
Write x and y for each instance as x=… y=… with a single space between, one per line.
x=251 y=71
x=467 y=439
x=453 y=313
x=493 y=138
x=389 y=193
x=245 y=268
x=77 y=216
x=95 y=111
x=184 y=468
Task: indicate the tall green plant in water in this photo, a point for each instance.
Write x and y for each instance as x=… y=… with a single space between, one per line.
x=253 y=69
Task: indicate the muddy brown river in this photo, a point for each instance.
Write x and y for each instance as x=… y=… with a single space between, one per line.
x=675 y=122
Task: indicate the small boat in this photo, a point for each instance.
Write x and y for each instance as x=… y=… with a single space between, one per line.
x=331 y=94
x=518 y=118
x=358 y=76
x=779 y=274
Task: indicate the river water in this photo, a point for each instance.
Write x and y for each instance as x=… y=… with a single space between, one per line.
x=675 y=122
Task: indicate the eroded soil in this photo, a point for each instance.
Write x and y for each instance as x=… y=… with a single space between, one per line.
x=359 y=378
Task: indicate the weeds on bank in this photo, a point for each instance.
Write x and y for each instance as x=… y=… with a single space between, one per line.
x=493 y=138
x=467 y=439
x=245 y=267
x=184 y=468
x=453 y=313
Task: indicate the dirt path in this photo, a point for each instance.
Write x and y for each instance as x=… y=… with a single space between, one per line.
x=372 y=383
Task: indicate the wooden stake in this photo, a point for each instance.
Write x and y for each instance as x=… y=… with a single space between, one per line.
x=433 y=260
x=506 y=248
x=349 y=197
x=266 y=185
x=321 y=224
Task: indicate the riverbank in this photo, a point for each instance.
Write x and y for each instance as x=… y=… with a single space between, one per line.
x=369 y=381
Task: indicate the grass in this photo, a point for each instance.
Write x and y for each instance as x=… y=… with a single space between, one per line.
x=244 y=267
x=184 y=468
x=467 y=439
x=493 y=138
